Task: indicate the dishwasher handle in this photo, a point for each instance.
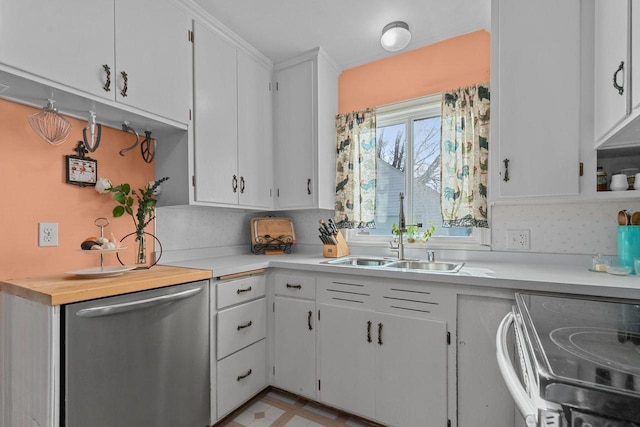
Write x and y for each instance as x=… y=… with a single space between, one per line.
x=125 y=307
x=523 y=401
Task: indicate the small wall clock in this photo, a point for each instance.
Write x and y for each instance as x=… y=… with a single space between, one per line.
x=81 y=171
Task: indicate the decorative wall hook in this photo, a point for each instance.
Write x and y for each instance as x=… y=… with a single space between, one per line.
x=127 y=128
x=92 y=141
x=148 y=147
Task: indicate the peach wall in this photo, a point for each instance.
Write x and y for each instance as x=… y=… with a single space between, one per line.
x=32 y=178
x=452 y=63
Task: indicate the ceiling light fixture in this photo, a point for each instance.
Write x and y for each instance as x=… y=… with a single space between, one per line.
x=395 y=36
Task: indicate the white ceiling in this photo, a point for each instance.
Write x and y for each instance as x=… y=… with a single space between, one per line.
x=348 y=30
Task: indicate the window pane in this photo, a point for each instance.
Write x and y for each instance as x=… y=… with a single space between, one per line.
x=426 y=178
x=426 y=172
x=391 y=142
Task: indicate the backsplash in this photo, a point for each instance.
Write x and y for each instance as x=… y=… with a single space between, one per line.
x=577 y=228
x=189 y=229
x=581 y=228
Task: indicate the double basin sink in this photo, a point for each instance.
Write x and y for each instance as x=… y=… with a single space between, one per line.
x=391 y=263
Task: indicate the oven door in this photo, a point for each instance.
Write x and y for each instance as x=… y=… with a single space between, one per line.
x=522 y=382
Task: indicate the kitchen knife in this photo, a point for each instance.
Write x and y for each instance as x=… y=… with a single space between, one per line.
x=327 y=229
x=332 y=226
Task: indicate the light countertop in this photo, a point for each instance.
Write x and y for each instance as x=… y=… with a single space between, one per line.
x=540 y=277
x=509 y=275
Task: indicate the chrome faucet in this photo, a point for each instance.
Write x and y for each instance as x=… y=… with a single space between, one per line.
x=402 y=228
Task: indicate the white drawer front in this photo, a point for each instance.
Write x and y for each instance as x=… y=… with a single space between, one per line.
x=232 y=292
x=241 y=326
x=240 y=376
x=295 y=286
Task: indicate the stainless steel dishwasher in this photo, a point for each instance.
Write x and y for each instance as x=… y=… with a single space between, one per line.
x=138 y=360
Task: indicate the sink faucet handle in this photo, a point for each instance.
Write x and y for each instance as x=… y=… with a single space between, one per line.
x=431 y=255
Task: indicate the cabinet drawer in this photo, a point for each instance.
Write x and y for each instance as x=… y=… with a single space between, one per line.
x=236 y=291
x=295 y=286
x=241 y=376
x=241 y=326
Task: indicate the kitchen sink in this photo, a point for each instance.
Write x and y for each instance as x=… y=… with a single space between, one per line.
x=414 y=265
x=439 y=266
x=360 y=261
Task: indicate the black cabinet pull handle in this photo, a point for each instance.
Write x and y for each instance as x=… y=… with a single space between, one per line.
x=506 y=170
x=309 y=186
x=240 y=377
x=294 y=286
x=309 y=320
x=234 y=184
x=107 y=84
x=240 y=291
x=242 y=185
x=246 y=325
x=125 y=88
x=615 y=79
x=380 y=333
x=369 y=331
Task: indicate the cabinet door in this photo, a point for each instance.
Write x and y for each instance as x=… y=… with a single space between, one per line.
x=347 y=359
x=635 y=55
x=152 y=47
x=478 y=319
x=295 y=346
x=66 y=41
x=538 y=98
x=255 y=140
x=215 y=121
x=611 y=41
x=410 y=371
x=295 y=136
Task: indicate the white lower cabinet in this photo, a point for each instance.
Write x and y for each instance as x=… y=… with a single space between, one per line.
x=483 y=398
x=240 y=376
x=295 y=326
x=388 y=367
x=240 y=342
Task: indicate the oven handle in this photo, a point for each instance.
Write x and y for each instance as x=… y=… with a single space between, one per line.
x=520 y=396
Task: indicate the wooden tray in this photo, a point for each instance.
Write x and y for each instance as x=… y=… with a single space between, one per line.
x=272 y=235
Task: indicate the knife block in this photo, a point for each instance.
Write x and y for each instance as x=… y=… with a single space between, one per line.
x=336 y=251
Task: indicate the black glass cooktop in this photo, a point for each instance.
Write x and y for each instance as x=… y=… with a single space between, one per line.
x=587 y=351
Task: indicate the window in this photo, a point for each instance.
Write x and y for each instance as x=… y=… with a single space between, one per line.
x=408 y=161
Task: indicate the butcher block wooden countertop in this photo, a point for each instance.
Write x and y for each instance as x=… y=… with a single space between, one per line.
x=65 y=289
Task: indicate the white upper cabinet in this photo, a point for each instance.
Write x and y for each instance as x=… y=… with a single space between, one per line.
x=215 y=117
x=612 y=65
x=152 y=47
x=535 y=97
x=86 y=46
x=255 y=133
x=65 y=41
x=305 y=108
x=232 y=124
x=617 y=74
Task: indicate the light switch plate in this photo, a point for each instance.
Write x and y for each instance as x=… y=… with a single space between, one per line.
x=518 y=240
x=47 y=234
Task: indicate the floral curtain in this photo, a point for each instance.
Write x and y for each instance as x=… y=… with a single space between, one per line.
x=465 y=156
x=356 y=169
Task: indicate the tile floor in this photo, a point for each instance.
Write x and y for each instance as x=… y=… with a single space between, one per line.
x=279 y=409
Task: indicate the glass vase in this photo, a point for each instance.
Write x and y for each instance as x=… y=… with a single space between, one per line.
x=141 y=257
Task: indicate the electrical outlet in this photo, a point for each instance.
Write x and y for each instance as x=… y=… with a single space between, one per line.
x=47 y=234
x=518 y=240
